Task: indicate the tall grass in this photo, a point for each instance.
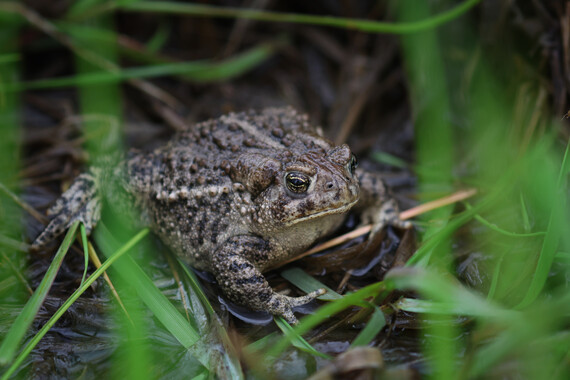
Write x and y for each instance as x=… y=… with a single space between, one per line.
x=435 y=152
x=13 y=285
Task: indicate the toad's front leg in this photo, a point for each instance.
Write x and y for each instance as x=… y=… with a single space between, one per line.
x=234 y=266
x=377 y=205
x=81 y=202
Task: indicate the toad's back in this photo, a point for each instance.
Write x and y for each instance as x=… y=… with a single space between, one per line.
x=194 y=190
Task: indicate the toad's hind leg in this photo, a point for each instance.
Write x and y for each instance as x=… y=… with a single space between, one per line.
x=81 y=202
x=243 y=283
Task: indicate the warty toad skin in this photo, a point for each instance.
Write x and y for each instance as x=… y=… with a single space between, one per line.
x=235 y=195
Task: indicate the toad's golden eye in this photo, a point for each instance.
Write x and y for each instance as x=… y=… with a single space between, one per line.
x=297 y=182
x=352 y=164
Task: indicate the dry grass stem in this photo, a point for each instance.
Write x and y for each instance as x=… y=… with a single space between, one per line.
x=95 y=260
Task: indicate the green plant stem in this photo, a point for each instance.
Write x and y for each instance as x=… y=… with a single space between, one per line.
x=254 y=14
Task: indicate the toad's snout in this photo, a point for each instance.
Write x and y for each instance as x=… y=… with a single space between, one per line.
x=340 y=188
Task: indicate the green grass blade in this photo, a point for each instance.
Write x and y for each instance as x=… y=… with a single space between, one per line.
x=261 y=344
x=532 y=334
x=495 y=279
x=81 y=6
x=102 y=113
x=500 y=230
x=435 y=156
x=432 y=127
x=85 y=9
x=297 y=340
x=450 y=307
x=34 y=341
x=9 y=58
x=554 y=234
x=563 y=256
x=323 y=313
x=525 y=217
x=307 y=283
x=99 y=98
x=423 y=255
x=450 y=295
x=233 y=67
x=85 y=251
x=546 y=257
x=389 y=159
x=159 y=38
x=162 y=308
x=12 y=262
x=231 y=365
x=260 y=15
x=136 y=360
x=374 y=325
x=197 y=288
x=564 y=168
x=24 y=320
x=203 y=71
x=544 y=347
x=17 y=271
x=13 y=244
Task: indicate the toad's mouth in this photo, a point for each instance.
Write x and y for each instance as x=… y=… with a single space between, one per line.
x=338 y=210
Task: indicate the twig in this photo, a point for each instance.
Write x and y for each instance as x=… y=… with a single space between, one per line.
x=422 y=209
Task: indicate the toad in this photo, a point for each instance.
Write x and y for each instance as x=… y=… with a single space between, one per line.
x=235 y=195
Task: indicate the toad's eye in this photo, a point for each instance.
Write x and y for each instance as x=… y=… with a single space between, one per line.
x=297 y=182
x=352 y=164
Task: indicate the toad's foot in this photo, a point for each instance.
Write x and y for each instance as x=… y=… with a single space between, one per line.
x=283 y=305
x=233 y=265
x=377 y=206
x=386 y=214
x=80 y=202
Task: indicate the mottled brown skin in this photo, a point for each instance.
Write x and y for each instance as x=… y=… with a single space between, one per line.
x=235 y=195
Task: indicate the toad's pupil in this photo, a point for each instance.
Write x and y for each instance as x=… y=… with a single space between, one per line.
x=297 y=182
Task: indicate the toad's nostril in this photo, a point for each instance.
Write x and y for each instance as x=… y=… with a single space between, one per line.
x=329 y=185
